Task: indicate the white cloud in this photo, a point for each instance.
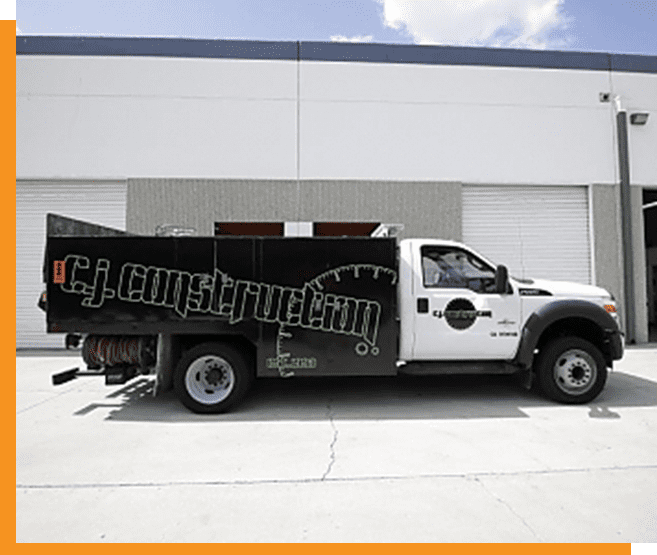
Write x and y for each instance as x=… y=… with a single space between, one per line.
x=359 y=38
x=512 y=23
x=18 y=31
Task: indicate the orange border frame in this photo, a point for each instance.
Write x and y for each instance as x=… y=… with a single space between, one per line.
x=8 y=247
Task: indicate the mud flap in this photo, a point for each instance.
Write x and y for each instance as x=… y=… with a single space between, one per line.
x=164 y=364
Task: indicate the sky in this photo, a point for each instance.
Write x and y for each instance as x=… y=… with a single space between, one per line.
x=584 y=25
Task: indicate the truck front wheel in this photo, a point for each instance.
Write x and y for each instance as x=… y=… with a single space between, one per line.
x=571 y=370
x=212 y=378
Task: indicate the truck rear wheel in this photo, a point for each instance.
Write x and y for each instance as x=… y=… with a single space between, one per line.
x=571 y=370
x=212 y=378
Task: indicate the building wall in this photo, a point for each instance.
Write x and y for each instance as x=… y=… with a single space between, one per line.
x=202 y=139
x=425 y=209
x=133 y=117
x=126 y=116
x=607 y=247
x=471 y=124
x=638 y=93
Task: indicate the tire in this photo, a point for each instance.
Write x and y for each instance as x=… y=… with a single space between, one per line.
x=571 y=370
x=212 y=378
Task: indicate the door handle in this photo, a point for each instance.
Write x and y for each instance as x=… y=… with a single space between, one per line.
x=422 y=305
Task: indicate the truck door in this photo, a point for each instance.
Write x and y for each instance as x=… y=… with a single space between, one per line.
x=458 y=315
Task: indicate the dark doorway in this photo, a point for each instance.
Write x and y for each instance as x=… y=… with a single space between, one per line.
x=249 y=228
x=650 y=230
x=341 y=229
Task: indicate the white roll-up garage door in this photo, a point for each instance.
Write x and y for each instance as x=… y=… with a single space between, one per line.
x=541 y=232
x=101 y=202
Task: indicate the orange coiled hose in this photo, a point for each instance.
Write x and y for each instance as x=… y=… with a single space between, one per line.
x=111 y=350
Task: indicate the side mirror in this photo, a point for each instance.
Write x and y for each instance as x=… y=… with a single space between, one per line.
x=501 y=279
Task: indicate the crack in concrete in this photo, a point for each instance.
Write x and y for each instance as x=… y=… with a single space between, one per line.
x=325 y=478
x=51 y=398
x=333 y=442
x=502 y=502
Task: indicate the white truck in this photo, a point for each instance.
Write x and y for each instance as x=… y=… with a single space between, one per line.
x=210 y=314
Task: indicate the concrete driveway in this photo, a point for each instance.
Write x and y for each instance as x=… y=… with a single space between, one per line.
x=445 y=459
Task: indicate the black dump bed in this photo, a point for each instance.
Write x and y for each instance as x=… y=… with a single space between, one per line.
x=317 y=306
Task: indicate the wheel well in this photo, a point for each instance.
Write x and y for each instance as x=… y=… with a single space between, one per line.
x=577 y=327
x=241 y=343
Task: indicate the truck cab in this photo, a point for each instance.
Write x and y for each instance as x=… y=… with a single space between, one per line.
x=455 y=305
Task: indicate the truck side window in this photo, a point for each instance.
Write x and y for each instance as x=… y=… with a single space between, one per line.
x=451 y=267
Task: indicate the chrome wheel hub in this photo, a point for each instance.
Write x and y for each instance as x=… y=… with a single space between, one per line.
x=575 y=372
x=209 y=379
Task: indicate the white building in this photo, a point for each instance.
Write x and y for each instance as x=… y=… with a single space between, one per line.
x=514 y=152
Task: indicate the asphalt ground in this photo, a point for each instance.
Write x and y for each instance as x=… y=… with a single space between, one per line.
x=431 y=459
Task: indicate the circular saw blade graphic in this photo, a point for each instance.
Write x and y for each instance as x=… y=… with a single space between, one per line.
x=281 y=355
x=331 y=279
x=357 y=271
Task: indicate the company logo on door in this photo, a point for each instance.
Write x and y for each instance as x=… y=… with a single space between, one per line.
x=460 y=314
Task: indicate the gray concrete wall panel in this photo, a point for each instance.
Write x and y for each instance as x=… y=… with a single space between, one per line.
x=425 y=209
x=607 y=247
x=198 y=203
